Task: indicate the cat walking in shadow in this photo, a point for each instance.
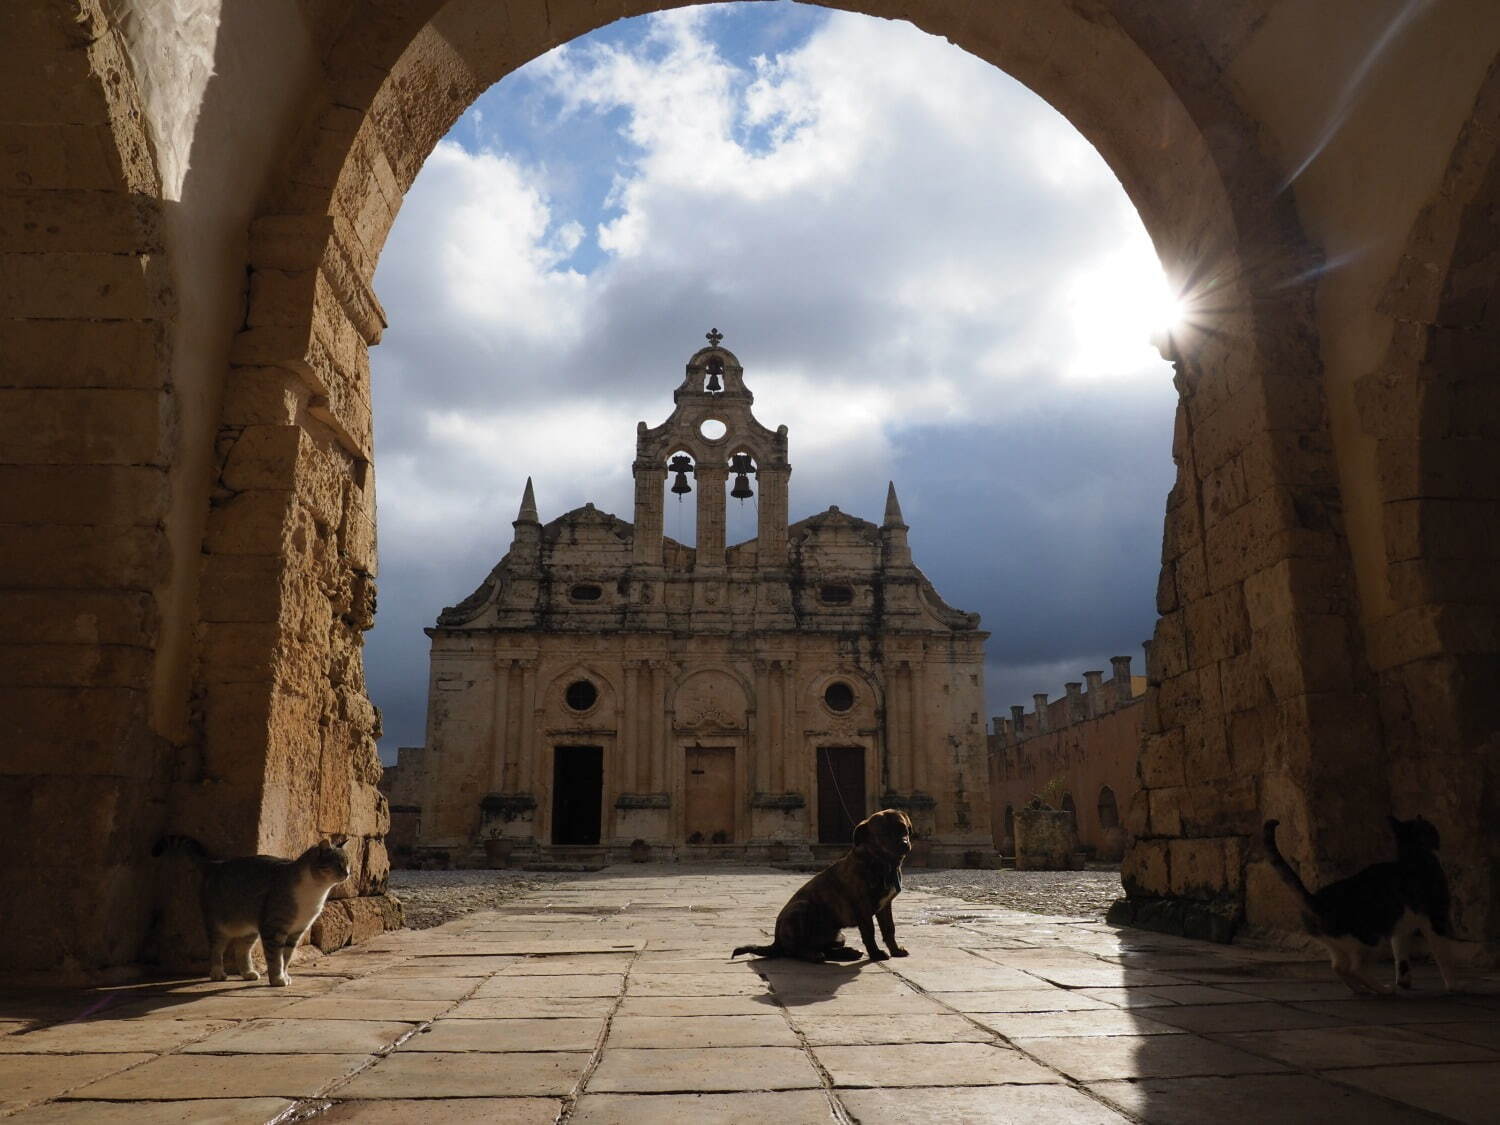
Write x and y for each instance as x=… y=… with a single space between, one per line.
x=1384 y=902
x=260 y=896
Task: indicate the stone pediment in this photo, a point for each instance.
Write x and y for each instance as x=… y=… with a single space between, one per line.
x=833 y=520
x=585 y=520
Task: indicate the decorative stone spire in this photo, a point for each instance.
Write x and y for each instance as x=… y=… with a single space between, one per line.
x=897 y=551
x=528 y=540
x=528 y=506
x=892 y=508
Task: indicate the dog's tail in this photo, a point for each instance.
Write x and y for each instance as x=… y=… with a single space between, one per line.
x=182 y=845
x=772 y=950
x=1287 y=872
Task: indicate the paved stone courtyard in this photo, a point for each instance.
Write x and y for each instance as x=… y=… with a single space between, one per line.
x=612 y=999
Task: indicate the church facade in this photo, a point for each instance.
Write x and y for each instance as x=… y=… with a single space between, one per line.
x=607 y=686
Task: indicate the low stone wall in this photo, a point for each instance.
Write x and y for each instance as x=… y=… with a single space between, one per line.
x=1089 y=741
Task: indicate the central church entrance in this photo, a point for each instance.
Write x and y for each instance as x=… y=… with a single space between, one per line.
x=708 y=795
x=841 y=792
x=577 y=794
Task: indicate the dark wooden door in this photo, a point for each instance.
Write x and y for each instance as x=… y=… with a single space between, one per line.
x=708 y=813
x=577 y=794
x=841 y=792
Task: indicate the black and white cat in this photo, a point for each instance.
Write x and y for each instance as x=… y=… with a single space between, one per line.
x=1384 y=902
x=261 y=896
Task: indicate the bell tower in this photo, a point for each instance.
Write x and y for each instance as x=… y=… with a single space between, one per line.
x=710 y=436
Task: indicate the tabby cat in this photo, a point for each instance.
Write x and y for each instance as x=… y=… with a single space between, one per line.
x=261 y=896
x=1385 y=901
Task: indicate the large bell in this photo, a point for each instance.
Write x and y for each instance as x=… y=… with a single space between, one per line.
x=681 y=466
x=741 y=466
x=715 y=369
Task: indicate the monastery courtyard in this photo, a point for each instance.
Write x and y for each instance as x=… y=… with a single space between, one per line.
x=612 y=999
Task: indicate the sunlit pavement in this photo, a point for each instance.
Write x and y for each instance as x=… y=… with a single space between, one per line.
x=613 y=999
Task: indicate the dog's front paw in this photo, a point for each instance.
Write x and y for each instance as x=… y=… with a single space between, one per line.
x=897 y=951
x=879 y=955
x=249 y=974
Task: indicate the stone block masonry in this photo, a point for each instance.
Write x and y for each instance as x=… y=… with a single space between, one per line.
x=1088 y=743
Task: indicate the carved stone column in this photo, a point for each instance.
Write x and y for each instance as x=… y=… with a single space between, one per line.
x=500 y=740
x=526 y=749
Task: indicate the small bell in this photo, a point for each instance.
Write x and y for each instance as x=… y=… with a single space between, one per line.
x=681 y=465
x=741 y=466
x=715 y=369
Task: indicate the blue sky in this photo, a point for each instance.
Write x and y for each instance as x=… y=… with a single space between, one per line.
x=929 y=276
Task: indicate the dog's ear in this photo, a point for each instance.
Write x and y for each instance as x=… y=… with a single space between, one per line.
x=862 y=833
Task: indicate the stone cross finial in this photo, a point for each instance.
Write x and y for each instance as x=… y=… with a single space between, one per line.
x=713 y=336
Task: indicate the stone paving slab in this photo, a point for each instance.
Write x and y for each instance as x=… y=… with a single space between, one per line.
x=822 y=1030
x=1464 y=1092
x=1254 y=1099
x=982 y=1105
x=450 y=1111
x=930 y=1064
x=1143 y=1056
x=299 y=1036
x=768 y=1030
x=170 y=1077
x=795 y=1107
x=563 y=1034
x=597 y=984
x=1329 y=1047
x=25 y=1079
x=669 y=1070
x=216 y=1111
x=112 y=1036
x=469 y=1075
x=364 y=1008
x=615 y=1000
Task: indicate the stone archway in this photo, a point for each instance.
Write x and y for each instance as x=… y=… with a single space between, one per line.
x=1323 y=650
x=1186 y=157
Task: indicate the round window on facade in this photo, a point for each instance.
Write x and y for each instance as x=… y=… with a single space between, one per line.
x=839 y=696
x=581 y=695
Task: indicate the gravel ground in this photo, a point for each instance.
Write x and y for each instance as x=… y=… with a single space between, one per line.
x=434 y=897
x=1076 y=894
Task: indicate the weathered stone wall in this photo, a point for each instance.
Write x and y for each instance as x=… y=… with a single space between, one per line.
x=1090 y=740
x=405 y=786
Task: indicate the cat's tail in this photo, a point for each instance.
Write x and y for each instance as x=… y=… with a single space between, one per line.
x=772 y=950
x=1287 y=872
x=181 y=845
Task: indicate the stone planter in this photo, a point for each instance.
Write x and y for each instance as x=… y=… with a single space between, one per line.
x=640 y=851
x=778 y=852
x=1046 y=841
x=497 y=851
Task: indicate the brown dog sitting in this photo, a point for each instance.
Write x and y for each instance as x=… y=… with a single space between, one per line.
x=855 y=891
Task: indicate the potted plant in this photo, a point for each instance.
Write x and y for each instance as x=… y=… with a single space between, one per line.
x=497 y=851
x=778 y=852
x=640 y=851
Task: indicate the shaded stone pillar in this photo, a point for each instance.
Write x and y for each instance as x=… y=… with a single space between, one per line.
x=1121 y=665
x=500 y=725
x=650 y=482
x=629 y=728
x=1095 y=693
x=1076 y=711
x=764 y=717
x=1018 y=720
x=1039 y=701
x=771 y=521
x=526 y=748
x=710 y=515
x=656 y=757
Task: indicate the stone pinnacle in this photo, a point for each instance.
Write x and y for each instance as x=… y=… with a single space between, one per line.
x=893 y=508
x=528 y=506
